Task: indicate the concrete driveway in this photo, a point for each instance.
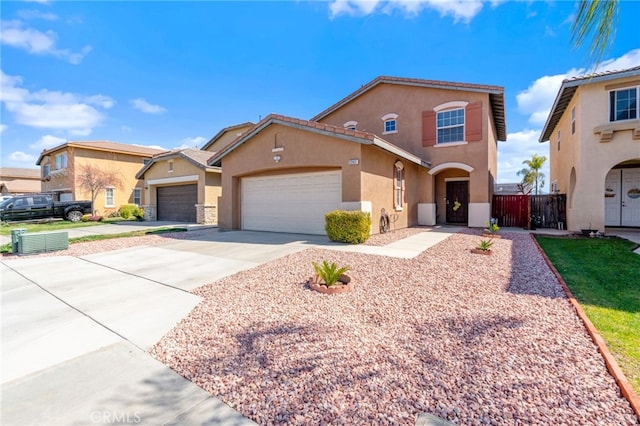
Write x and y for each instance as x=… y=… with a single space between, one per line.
x=75 y=329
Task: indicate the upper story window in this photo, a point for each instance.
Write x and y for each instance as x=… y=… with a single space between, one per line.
x=46 y=170
x=351 y=125
x=450 y=125
x=623 y=104
x=170 y=166
x=61 y=161
x=146 y=161
x=573 y=120
x=390 y=123
x=558 y=140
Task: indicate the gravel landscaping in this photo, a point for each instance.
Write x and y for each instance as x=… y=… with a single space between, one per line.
x=470 y=338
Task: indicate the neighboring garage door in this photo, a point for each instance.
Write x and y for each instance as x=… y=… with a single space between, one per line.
x=290 y=203
x=177 y=203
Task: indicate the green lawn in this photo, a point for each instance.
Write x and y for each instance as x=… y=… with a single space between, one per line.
x=604 y=276
x=5 y=229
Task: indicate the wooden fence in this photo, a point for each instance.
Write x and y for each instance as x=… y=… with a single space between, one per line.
x=525 y=211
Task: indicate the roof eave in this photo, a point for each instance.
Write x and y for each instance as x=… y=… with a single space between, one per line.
x=389 y=147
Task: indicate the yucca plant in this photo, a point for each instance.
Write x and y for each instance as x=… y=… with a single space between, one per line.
x=330 y=273
x=492 y=227
x=485 y=245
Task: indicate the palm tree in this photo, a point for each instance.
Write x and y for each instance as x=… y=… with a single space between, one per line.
x=598 y=20
x=532 y=177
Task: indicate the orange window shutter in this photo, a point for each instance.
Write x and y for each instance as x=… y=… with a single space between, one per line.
x=428 y=128
x=473 y=122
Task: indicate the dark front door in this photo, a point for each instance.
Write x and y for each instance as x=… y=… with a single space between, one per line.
x=457 y=201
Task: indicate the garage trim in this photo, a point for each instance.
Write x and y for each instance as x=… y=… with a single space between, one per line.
x=178 y=179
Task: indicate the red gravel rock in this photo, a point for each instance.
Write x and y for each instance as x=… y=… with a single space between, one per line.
x=473 y=339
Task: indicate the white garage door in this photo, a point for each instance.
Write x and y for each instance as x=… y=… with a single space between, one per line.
x=290 y=203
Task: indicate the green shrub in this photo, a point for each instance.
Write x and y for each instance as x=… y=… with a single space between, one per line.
x=330 y=274
x=127 y=211
x=485 y=245
x=351 y=227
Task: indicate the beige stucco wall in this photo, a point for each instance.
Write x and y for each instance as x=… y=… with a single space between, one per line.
x=124 y=165
x=209 y=185
x=409 y=102
x=305 y=152
x=590 y=158
x=227 y=137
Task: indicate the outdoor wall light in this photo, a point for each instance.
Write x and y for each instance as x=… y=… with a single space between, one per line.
x=277 y=158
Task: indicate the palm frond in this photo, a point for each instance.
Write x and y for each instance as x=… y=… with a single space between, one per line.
x=597 y=20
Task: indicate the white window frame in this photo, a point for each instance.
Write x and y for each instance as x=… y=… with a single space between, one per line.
x=62 y=161
x=139 y=197
x=389 y=118
x=106 y=196
x=613 y=101
x=351 y=125
x=463 y=125
x=398 y=183
x=170 y=166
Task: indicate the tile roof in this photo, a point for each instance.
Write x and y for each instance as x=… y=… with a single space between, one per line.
x=568 y=89
x=496 y=96
x=109 y=146
x=19 y=172
x=197 y=157
x=225 y=130
x=323 y=128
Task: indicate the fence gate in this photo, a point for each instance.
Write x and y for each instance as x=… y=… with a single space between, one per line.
x=511 y=210
x=523 y=211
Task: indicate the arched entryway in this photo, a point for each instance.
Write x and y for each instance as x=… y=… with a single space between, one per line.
x=622 y=195
x=452 y=193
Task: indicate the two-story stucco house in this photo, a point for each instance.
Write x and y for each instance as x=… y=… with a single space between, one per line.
x=593 y=132
x=422 y=151
x=62 y=165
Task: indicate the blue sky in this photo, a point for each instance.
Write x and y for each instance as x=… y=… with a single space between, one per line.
x=172 y=74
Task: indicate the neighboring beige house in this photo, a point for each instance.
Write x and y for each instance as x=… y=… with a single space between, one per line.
x=180 y=186
x=225 y=136
x=61 y=165
x=424 y=151
x=18 y=181
x=594 y=134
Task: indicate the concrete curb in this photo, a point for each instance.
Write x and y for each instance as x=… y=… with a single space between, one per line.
x=613 y=367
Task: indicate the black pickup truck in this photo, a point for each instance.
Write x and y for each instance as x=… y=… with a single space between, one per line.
x=28 y=207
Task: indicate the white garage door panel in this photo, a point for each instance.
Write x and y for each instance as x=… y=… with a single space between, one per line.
x=290 y=203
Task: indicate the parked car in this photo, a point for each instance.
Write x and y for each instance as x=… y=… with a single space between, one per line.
x=27 y=207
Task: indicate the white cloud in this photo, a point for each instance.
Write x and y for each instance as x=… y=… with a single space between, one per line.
x=537 y=99
x=3 y=127
x=461 y=10
x=52 y=109
x=36 y=14
x=21 y=157
x=144 y=106
x=192 y=142
x=628 y=60
x=152 y=146
x=520 y=146
x=46 y=142
x=15 y=34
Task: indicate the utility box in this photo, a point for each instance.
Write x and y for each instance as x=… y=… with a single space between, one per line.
x=15 y=233
x=42 y=242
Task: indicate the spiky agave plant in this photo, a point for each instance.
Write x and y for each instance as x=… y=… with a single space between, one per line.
x=330 y=273
x=485 y=245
